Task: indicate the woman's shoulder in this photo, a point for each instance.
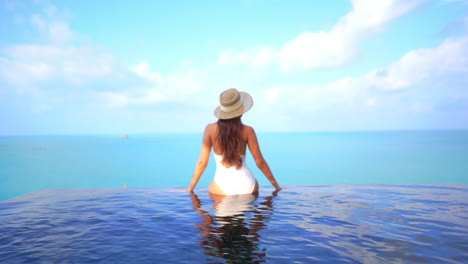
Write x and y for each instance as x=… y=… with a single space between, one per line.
x=248 y=129
x=211 y=127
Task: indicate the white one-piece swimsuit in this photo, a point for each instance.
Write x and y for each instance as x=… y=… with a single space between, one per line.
x=232 y=180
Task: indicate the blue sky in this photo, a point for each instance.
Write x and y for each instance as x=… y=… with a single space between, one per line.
x=92 y=67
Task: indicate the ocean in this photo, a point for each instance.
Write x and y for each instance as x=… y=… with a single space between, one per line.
x=31 y=163
x=349 y=197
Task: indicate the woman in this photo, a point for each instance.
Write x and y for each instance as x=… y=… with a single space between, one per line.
x=229 y=139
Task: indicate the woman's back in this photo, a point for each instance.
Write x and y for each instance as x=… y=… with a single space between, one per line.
x=229 y=139
x=217 y=146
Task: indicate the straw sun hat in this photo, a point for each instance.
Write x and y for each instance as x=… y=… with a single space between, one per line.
x=233 y=104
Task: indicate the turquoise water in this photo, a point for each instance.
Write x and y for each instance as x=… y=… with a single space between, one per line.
x=373 y=197
x=314 y=224
x=104 y=161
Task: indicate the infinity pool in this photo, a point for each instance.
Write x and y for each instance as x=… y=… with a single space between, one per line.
x=315 y=224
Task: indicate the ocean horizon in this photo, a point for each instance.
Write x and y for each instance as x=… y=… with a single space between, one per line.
x=354 y=197
x=31 y=163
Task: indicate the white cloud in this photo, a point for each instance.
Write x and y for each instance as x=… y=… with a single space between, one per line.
x=39 y=23
x=196 y=85
x=29 y=64
x=423 y=64
x=177 y=87
x=262 y=56
x=34 y=68
x=18 y=72
x=371 y=101
x=326 y=49
x=257 y=57
x=443 y=67
x=142 y=69
x=128 y=98
x=60 y=32
x=340 y=44
x=53 y=25
x=340 y=85
x=422 y=72
x=272 y=95
x=448 y=60
x=229 y=58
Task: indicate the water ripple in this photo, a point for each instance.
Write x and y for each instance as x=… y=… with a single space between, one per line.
x=332 y=224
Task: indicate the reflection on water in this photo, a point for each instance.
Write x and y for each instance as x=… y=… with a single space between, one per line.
x=232 y=232
x=316 y=224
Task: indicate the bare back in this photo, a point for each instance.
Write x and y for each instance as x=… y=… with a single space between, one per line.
x=248 y=138
x=213 y=130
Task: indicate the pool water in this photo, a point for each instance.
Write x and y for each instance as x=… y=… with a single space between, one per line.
x=308 y=224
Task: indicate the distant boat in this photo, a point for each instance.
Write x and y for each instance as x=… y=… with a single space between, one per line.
x=125 y=136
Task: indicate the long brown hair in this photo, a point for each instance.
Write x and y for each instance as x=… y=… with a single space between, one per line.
x=229 y=139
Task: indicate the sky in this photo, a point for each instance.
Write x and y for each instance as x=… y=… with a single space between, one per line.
x=126 y=67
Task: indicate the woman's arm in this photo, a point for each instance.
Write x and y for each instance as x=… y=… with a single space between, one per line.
x=254 y=148
x=203 y=160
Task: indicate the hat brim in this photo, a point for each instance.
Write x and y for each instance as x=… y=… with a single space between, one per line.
x=247 y=103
